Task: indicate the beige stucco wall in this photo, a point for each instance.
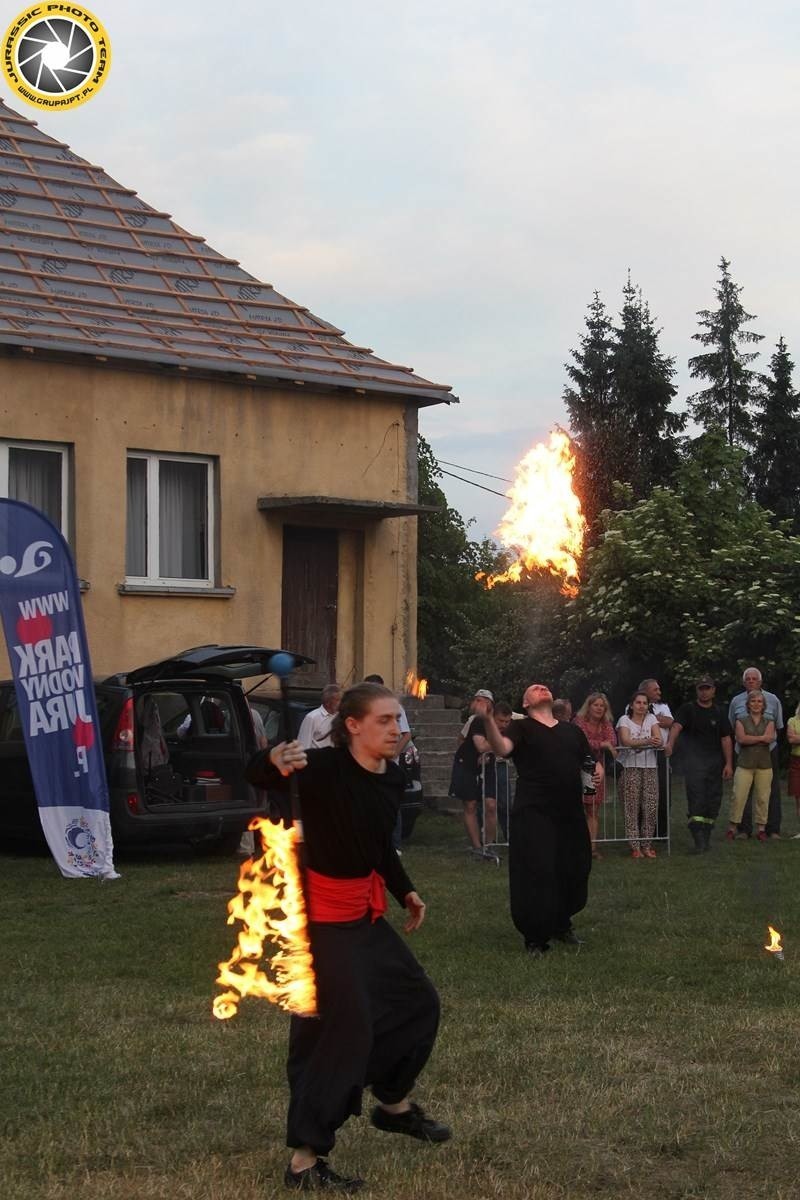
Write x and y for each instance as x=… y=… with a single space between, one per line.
x=268 y=442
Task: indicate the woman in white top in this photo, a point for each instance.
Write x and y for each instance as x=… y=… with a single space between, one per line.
x=639 y=736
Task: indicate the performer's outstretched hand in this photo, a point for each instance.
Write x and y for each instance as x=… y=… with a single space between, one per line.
x=416 y=912
x=288 y=757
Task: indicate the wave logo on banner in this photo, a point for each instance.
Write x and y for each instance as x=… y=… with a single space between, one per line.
x=42 y=616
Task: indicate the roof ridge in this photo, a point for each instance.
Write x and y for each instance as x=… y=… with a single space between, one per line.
x=87 y=266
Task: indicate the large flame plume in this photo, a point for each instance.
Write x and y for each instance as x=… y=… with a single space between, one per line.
x=544 y=525
x=271 y=906
x=415 y=687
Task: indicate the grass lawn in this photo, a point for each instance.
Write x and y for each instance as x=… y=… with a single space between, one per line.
x=659 y=1060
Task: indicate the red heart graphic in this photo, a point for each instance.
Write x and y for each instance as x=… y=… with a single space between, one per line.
x=83 y=733
x=31 y=630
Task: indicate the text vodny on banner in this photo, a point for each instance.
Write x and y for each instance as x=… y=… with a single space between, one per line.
x=42 y=616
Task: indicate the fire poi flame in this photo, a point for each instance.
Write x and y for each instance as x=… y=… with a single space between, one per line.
x=775 y=946
x=414 y=686
x=544 y=525
x=271 y=907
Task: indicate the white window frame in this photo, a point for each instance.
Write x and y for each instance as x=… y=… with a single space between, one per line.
x=7 y=444
x=153 y=534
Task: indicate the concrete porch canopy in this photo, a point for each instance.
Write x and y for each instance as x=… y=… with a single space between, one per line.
x=89 y=269
x=336 y=508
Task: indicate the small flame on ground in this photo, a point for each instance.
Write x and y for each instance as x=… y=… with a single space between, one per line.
x=271 y=907
x=415 y=687
x=775 y=946
x=544 y=526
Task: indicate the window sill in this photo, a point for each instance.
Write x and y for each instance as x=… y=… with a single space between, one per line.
x=162 y=589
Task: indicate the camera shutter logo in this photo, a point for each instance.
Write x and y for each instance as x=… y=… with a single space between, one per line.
x=56 y=55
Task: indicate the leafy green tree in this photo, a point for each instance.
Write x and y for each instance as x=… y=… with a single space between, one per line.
x=450 y=599
x=711 y=483
x=519 y=640
x=775 y=462
x=728 y=402
x=695 y=578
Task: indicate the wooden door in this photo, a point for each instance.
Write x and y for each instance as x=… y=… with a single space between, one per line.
x=309 y=599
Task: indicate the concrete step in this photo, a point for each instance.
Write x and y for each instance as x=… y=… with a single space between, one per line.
x=430 y=702
x=432 y=761
x=429 y=740
x=448 y=717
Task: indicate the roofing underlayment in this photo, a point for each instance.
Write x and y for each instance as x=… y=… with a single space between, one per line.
x=88 y=268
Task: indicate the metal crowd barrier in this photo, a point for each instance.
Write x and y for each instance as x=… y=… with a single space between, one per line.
x=611 y=813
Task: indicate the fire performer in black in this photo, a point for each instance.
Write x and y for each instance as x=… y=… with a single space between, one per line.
x=378 y=1011
x=550 y=855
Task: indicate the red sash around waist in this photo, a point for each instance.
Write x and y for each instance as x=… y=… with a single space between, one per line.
x=333 y=900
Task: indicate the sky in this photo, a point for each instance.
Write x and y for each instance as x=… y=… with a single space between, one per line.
x=449 y=182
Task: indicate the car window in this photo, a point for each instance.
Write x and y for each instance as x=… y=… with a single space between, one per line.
x=271 y=718
x=206 y=715
x=10 y=724
x=169 y=708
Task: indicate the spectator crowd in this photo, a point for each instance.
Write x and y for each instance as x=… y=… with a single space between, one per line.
x=713 y=742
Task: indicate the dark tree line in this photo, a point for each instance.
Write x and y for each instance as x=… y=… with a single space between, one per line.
x=620 y=395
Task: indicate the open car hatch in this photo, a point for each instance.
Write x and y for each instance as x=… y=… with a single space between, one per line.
x=213 y=662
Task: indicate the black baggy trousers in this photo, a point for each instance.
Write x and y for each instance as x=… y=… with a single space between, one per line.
x=548 y=867
x=379 y=1013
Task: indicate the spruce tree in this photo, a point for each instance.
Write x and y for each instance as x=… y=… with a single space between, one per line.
x=619 y=406
x=648 y=451
x=775 y=462
x=590 y=403
x=729 y=401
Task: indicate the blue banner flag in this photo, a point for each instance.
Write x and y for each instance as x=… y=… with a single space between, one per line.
x=40 y=605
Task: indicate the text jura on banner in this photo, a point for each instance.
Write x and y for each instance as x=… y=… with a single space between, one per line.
x=42 y=618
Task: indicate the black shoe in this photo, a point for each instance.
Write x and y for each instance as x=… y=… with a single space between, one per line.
x=319 y=1178
x=569 y=937
x=414 y=1123
x=534 y=950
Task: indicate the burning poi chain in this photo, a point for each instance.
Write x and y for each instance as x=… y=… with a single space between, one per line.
x=271 y=906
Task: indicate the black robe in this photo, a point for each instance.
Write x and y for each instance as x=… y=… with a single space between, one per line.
x=550 y=854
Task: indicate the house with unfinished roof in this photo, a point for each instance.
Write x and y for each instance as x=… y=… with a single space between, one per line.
x=225 y=465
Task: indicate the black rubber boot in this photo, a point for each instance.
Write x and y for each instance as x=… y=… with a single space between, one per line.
x=696 y=830
x=706 y=836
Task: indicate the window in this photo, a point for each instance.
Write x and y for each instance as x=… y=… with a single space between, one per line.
x=170 y=519
x=37 y=472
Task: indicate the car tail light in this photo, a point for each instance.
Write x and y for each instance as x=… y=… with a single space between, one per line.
x=123 y=734
x=132 y=800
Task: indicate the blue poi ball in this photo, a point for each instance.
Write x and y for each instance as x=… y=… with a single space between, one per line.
x=281 y=664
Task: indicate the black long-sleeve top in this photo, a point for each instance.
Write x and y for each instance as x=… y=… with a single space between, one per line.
x=348 y=814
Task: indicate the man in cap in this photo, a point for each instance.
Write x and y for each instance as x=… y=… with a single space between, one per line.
x=737 y=711
x=465 y=784
x=550 y=855
x=708 y=750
